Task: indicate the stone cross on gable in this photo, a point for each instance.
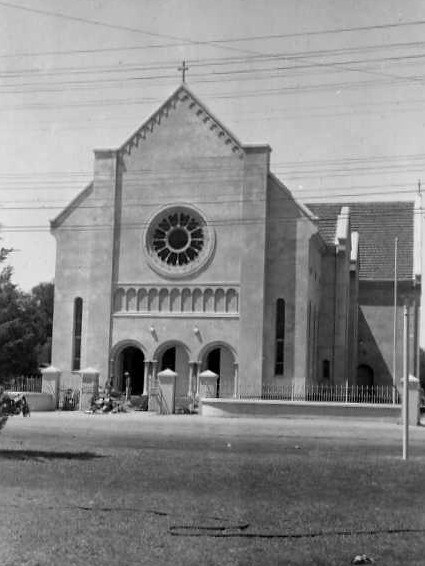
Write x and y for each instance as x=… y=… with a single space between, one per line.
x=183 y=68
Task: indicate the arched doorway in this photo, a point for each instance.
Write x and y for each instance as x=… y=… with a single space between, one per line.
x=168 y=359
x=175 y=356
x=365 y=375
x=221 y=361
x=131 y=360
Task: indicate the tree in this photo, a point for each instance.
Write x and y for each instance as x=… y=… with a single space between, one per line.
x=19 y=334
x=43 y=297
x=25 y=325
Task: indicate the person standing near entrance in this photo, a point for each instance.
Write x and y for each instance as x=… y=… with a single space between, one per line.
x=127 y=381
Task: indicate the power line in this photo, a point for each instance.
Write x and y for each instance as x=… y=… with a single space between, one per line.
x=107 y=25
x=207 y=62
x=307 y=33
x=214 y=43
x=252 y=72
x=382 y=214
x=287 y=90
x=222 y=198
x=346 y=165
x=297 y=163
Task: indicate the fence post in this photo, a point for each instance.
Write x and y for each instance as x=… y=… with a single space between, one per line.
x=414 y=400
x=51 y=383
x=167 y=389
x=208 y=384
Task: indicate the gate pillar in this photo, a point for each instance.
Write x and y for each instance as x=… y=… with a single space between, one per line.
x=89 y=387
x=51 y=383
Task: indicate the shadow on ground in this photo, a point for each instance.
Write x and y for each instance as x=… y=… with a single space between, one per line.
x=46 y=455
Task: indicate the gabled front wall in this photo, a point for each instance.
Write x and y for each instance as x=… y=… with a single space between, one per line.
x=184 y=157
x=182 y=161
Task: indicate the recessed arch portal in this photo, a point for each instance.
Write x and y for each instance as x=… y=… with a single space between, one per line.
x=220 y=358
x=174 y=355
x=128 y=356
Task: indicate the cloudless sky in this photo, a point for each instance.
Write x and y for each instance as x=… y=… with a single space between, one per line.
x=336 y=87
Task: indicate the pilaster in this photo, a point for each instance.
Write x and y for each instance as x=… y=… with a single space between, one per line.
x=253 y=253
x=101 y=233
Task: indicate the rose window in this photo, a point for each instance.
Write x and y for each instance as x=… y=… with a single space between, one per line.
x=178 y=238
x=178 y=241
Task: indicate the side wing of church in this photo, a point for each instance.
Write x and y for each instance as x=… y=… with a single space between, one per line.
x=187 y=253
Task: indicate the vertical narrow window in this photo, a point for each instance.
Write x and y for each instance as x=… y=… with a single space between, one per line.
x=78 y=322
x=309 y=339
x=326 y=370
x=280 y=337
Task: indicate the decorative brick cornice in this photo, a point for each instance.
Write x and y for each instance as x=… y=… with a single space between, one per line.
x=183 y=96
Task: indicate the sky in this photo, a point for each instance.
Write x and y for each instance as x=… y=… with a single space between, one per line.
x=335 y=87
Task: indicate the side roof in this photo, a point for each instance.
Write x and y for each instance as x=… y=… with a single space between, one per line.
x=304 y=210
x=378 y=224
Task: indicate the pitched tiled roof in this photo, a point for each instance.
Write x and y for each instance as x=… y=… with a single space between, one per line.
x=378 y=224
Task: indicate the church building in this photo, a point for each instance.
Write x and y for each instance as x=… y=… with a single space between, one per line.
x=186 y=252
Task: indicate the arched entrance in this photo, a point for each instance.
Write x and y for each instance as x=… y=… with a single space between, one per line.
x=131 y=359
x=175 y=356
x=365 y=376
x=220 y=360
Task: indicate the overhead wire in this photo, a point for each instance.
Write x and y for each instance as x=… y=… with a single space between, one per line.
x=118 y=27
x=233 y=222
x=306 y=33
x=218 y=198
x=208 y=62
x=252 y=72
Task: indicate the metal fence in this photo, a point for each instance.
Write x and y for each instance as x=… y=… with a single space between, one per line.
x=377 y=394
x=69 y=399
x=25 y=383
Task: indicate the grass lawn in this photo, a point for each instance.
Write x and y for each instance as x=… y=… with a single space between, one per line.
x=140 y=489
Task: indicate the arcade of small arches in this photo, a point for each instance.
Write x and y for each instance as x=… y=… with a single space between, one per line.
x=130 y=357
x=221 y=300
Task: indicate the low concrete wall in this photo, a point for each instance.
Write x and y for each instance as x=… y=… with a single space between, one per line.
x=36 y=401
x=246 y=408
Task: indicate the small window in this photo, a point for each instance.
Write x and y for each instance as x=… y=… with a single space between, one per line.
x=280 y=338
x=78 y=323
x=326 y=370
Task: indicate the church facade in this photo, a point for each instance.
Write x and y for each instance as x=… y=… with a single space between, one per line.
x=186 y=252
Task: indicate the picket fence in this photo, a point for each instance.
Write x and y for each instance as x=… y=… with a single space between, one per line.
x=374 y=395
x=25 y=383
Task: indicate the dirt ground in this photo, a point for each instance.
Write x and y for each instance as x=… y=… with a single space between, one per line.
x=138 y=488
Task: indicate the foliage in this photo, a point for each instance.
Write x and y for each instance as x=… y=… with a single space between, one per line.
x=43 y=297
x=25 y=325
x=422 y=368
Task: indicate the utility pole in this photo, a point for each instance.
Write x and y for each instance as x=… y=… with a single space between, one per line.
x=395 y=321
x=405 y=383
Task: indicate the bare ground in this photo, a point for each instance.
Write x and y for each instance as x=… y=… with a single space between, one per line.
x=143 y=489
